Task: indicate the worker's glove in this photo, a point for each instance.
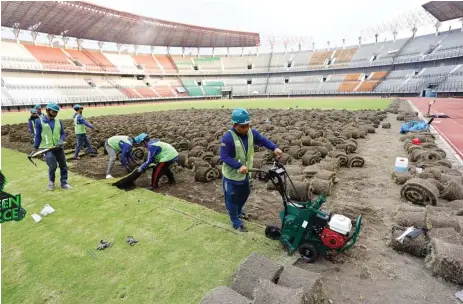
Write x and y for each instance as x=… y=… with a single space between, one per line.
x=60 y=144
x=32 y=138
x=140 y=169
x=34 y=151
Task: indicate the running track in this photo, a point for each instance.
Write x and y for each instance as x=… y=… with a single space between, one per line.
x=451 y=129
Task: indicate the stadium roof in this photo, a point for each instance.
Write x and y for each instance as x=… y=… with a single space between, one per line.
x=88 y=21
x=445 y=10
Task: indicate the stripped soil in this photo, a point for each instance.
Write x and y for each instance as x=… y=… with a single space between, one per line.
x=371 y=272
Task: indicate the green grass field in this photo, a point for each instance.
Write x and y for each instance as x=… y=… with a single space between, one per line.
x=184 y=249
x=305 y=103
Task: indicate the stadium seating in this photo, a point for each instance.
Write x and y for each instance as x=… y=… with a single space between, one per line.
x=233 y=63
x=51 y=58
x=208 y=63
x=183 y=63
x=165 y=63
x=319 y=57
x=343 y=56
x=148 y=63
x=91 y=75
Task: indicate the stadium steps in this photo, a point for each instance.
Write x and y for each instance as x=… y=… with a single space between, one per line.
x=172 y=62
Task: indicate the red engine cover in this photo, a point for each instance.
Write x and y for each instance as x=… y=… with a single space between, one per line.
x=332 y=239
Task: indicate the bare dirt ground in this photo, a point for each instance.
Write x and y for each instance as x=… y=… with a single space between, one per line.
x=370 y=272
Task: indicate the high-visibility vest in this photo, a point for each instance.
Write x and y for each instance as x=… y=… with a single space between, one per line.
x=79 y=128
x=168 y=152
x=114 y=141
x=247 y=159
x=49 y=137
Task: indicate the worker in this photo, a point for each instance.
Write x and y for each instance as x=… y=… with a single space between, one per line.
x=31 y=123
x=123 y=144
x=79 y=127
x=236 y=153
x=160 y=153
x=38 y=108
x=49 y=134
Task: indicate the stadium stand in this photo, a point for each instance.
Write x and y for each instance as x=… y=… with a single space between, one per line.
x=34 y=72
x=319 y=57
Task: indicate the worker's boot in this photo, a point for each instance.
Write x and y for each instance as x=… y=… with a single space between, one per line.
x=66 y=186
x=51 y=186
x=241 y=229
x=243 y=216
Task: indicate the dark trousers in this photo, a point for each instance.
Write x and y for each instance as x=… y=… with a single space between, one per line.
x=235 y=198
x=54 y=158
x=159 y=170
x=82 y=140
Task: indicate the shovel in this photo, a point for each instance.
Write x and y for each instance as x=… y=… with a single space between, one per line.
x=30 y=156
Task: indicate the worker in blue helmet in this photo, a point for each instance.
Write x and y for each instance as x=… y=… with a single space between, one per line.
x=81 y=133
x=38 y=108
x=31 y=123
x=162 y=154
x=49 y=134
x=237 y=153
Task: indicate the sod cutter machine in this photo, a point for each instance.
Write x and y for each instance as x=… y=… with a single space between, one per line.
x=304 y=227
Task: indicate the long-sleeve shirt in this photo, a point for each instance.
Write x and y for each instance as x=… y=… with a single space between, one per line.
x=126 y=153
x=227 y=149
x=82 y=121
x=31 y=127
x=38 y=130
x=152 y=152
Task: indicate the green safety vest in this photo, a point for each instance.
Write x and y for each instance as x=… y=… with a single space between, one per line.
x=167 y=153
x=114 y=141
x=241 y=156
x=49 y=137
x=79 y=128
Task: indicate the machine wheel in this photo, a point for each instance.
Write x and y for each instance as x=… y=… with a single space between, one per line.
x=308 y=252
x=273 y=232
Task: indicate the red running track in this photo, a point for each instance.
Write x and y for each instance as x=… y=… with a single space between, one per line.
x=451 y=129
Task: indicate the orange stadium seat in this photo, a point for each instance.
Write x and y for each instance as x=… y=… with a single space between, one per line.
x=148 y=63
x=348 y=86
x=344 y=56
x=84 y=60
x=319 y=57
x=352 y=77
x=102 y=61
x=146 y=92
x=51 y=58
x=378 y=75
x=165 y=91
x=166 y=63
x=367 y=86
x=129 y=92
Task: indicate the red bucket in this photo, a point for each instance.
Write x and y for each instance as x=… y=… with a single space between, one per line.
x=416 y=141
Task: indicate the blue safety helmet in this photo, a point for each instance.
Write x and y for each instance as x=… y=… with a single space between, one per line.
x=77 y=107
x=53 y=106
x=38 y=106
x=140 y=138
x=33 y=111
x=240 y=116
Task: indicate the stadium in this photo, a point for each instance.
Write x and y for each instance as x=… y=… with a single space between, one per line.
x=341 y=120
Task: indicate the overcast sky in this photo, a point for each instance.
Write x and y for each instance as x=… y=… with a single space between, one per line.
x=322 y=20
